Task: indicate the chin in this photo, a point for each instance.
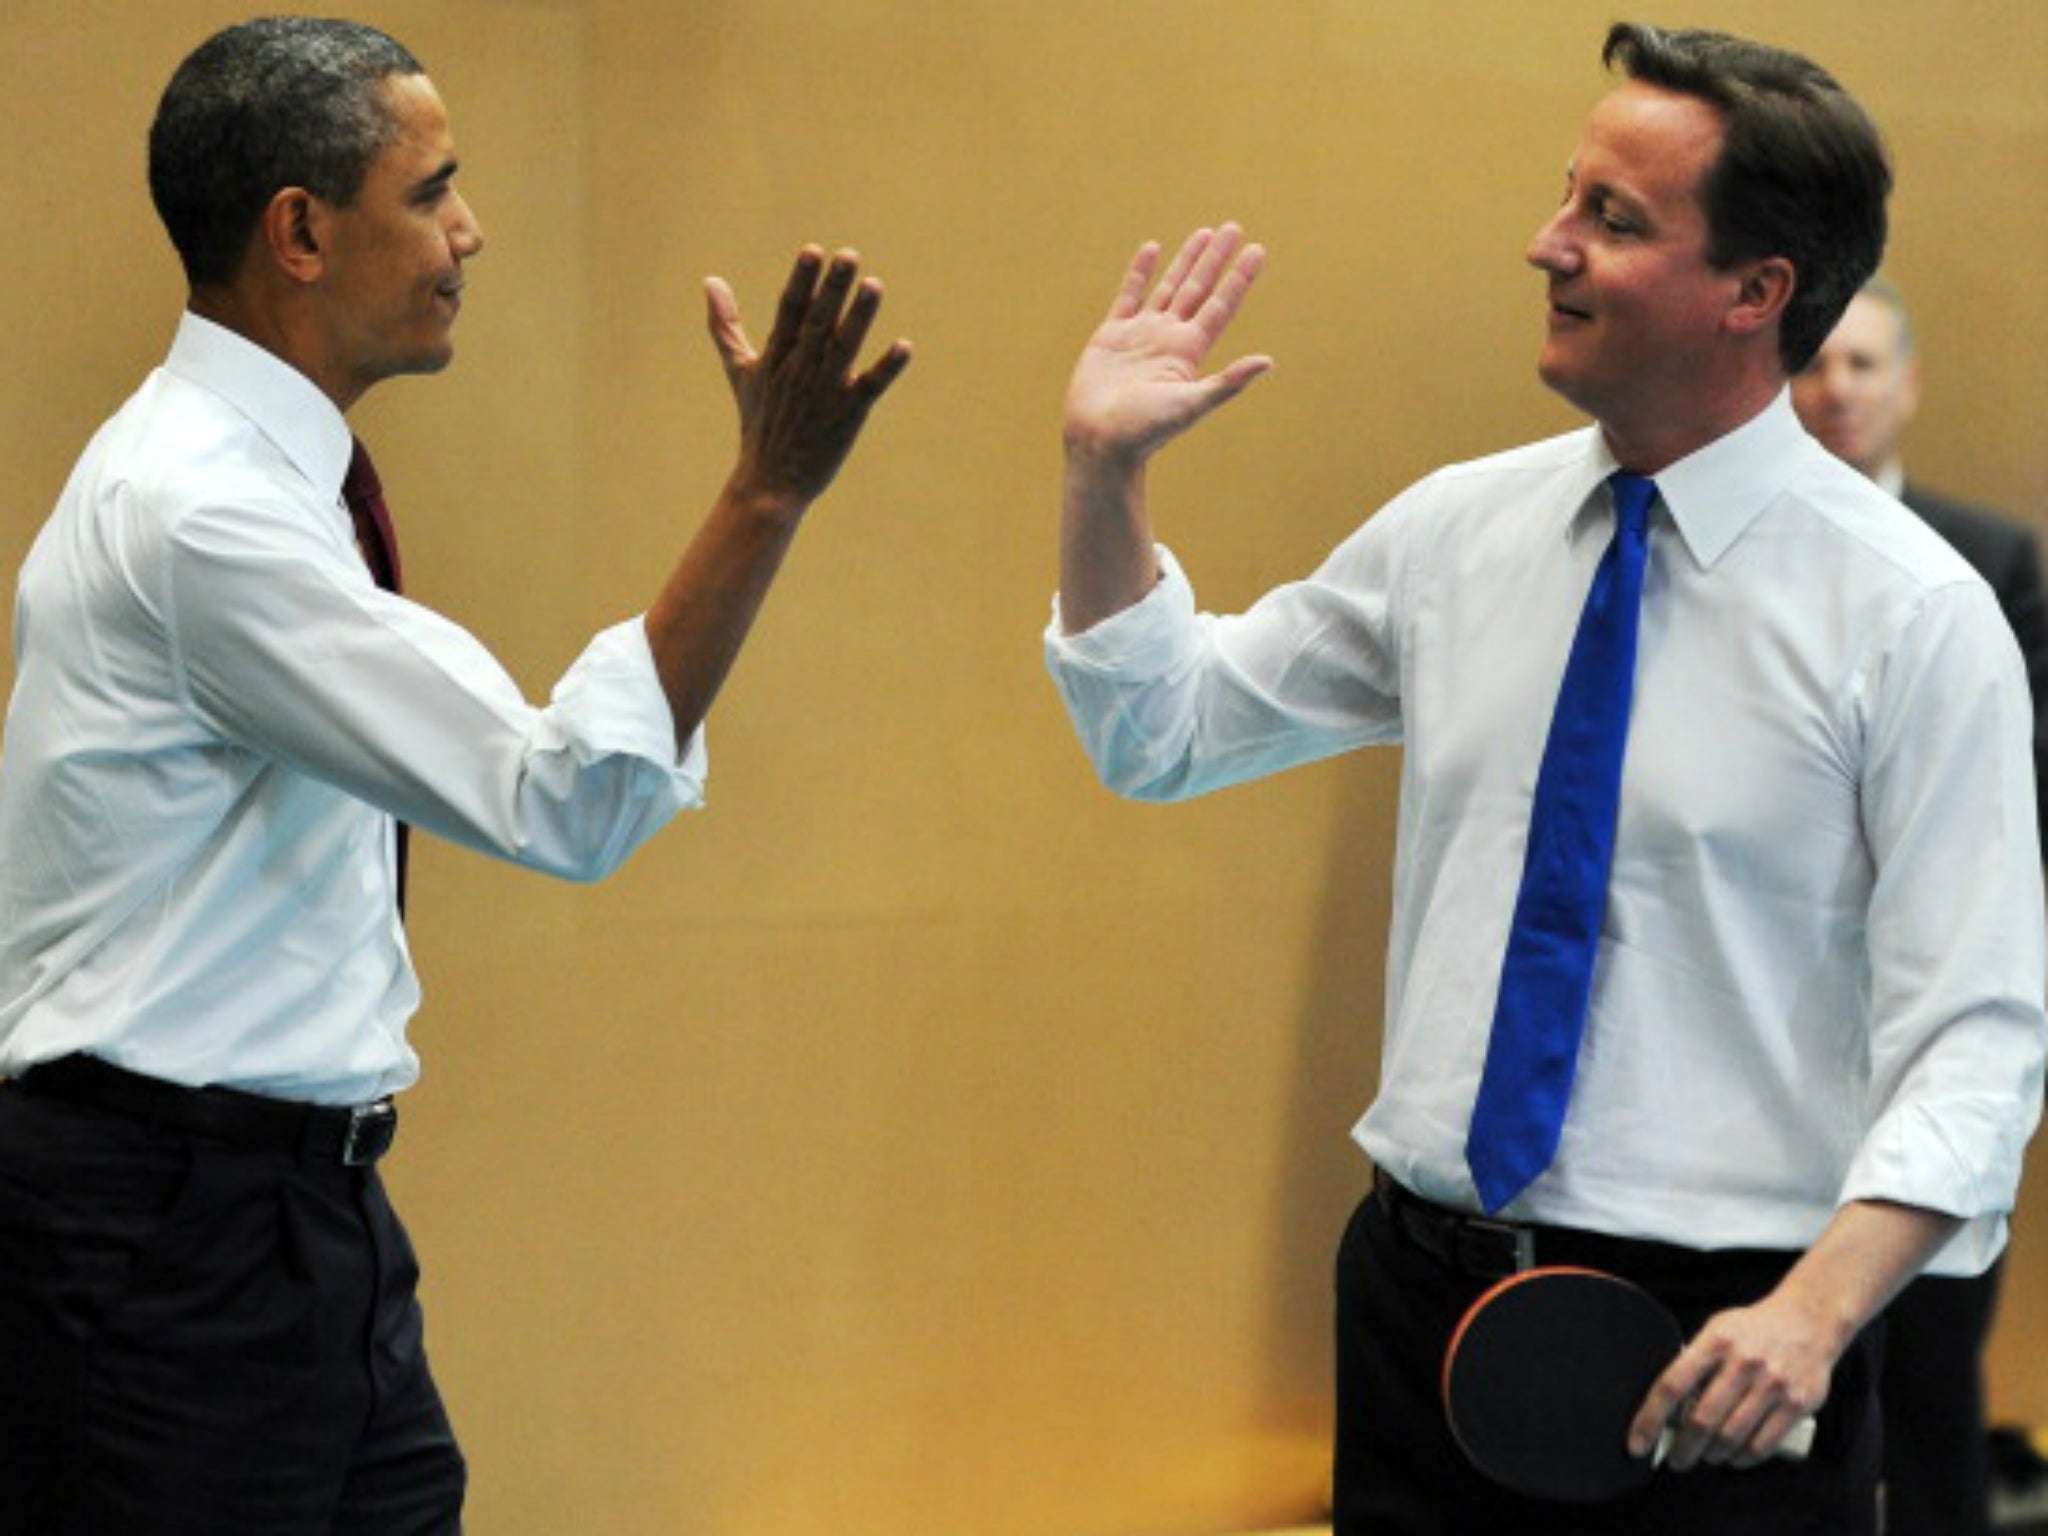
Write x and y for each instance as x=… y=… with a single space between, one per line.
x=1563 y=382
x=431 y=360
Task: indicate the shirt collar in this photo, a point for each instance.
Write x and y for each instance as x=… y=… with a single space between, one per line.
x=1716 y=492
x=282 y=403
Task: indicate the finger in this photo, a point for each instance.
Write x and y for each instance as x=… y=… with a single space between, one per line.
x=1720 y=1417
x=796 y=298
x=1201 y=280
x=853 y=329
x=1220 y=388
x=722 y=315
x=868 y=387
x=1733 y=1433
x=1754 y=1448
x=1221 y=307
x=821 y=320
x=1239 y=376
x=1662 y=1404
x=1687 y=1443
x=1177 y=270
x=1687 y=1435
x=1130 y=292
x=1766 y=1417
x=1789 y=1428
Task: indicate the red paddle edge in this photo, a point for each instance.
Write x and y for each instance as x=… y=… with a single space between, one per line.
x=1494 y=1292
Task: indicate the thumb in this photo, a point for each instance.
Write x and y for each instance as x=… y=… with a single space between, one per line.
x=1228 y=383
x=722 y=316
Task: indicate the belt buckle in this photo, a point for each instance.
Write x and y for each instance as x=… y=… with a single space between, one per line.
x=370 y=1129
x=1504 y=1247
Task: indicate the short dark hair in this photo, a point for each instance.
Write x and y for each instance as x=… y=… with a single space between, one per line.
x=283 y=101
x=1803 y=172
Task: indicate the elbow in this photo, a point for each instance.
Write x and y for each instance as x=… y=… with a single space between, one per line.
x=1147 y=784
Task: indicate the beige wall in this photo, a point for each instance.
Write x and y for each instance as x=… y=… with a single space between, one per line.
x=920 y=1138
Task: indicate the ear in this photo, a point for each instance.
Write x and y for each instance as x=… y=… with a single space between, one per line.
x=289 y=235
x=1762 y=291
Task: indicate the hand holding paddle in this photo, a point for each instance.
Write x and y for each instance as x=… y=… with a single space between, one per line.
x=1549 y=1372
x=1740 y=1391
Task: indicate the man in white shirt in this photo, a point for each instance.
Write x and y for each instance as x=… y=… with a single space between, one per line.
x=206 y=1304
x=1813 y=1050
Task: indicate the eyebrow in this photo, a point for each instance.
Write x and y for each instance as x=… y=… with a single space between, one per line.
x=1607 y=194
x=428 y=186
x=1617 y=197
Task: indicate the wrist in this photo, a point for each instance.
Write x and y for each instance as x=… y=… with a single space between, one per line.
x=763 y=500
x=1097 y=467
x=1097 y=456
x=1830 y=1317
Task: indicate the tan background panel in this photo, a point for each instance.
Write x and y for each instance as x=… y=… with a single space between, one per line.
x=922 y=1138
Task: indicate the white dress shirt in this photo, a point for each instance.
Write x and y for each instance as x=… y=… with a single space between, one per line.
x=1820 y=975
x=216 y=716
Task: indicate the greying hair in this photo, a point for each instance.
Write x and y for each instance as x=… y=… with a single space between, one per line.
x=1802 y=174
x=1888 y=293
x=283 y=101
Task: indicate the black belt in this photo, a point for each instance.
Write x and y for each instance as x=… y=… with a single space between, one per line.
x=353 y=1136
x=1477 y=1246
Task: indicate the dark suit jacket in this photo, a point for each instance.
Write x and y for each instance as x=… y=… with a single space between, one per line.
x=2007 y=555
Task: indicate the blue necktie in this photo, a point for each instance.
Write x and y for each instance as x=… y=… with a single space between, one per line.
x=1547 y=975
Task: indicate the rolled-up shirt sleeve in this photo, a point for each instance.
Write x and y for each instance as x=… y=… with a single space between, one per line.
x=284 y=646
x=1170 y=702
x=1117 y=681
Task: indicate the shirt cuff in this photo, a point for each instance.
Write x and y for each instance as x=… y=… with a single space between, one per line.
x=611 y=700
x=1907 y=1161
x=1142 y=641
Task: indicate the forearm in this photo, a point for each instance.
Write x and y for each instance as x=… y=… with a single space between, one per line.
x=1751 y=1373
x=1108 y=560
x=1137 y=386
x=1865 y=1257
x=702 y=617
x=801 y=405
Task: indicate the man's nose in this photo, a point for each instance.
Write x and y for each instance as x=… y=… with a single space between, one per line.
x=1548 y=251
x=468 y=235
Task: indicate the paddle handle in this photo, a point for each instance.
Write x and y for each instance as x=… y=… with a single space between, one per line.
x=1796 y=1446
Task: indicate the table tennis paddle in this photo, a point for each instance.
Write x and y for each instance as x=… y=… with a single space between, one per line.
x=1545 y=1373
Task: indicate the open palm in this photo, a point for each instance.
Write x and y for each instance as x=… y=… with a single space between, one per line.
x=1139 y=382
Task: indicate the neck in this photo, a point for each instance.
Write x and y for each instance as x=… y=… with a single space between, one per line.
x=273 y=327
x=1655 y=443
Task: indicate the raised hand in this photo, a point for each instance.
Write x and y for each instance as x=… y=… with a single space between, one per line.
x=801 y=403
x=1139 y=381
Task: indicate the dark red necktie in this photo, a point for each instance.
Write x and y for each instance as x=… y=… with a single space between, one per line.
x=364 y=493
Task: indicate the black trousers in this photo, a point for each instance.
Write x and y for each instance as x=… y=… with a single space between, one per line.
x=1399 y=1472
x=1937 y=1462
x=203 y=1340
